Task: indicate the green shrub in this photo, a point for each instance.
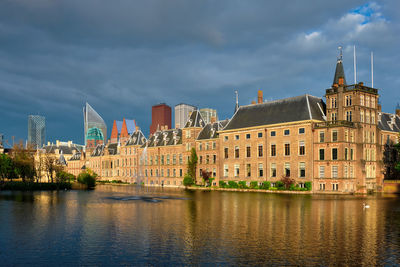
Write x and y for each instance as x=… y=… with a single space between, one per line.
x=265 y=185
x=280 y=185
x=88 y=179
x=293 y=187
x=232 y=184
x=242 y=184
x=308 y=186
x=188 y=181
x=254 y=184
x=222 y=184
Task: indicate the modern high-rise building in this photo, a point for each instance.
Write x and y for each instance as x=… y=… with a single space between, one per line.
x=209 y=115
x=36 y=130
x=95 y=127
x=160 y=117
x=182 y=113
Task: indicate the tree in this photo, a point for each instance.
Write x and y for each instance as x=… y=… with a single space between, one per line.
x=187 y=180
x=50 y=166
x=88 y=178
x=287 y=182
x=24 y=162
x=391 y=161
x=206 y=177
x=6 y=167
x=192 y=164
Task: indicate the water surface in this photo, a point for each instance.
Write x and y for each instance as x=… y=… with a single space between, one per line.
x=128 y=225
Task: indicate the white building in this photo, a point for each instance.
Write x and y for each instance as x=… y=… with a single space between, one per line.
x=208 y=113
x=182 y=113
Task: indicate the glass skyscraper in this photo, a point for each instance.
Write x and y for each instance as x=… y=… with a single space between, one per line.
x=36 y=130
x=95 y=127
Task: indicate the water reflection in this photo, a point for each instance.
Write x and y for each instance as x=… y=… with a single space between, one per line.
x=126 y=225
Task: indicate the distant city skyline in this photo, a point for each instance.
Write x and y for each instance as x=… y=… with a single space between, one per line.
x=36 y=130
x=182 y=52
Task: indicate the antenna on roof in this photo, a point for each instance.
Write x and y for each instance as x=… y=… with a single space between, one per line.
x=372 y=69
x=237 y=101
x=340 y=57
x=355 y=64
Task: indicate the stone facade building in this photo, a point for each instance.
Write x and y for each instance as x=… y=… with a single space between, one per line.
x=336 y=145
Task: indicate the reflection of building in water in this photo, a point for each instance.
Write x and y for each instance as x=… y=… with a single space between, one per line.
x=334 y=145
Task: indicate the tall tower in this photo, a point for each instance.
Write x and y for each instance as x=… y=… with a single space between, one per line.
x=36 y=130
x=347 y=142
x=160 y=117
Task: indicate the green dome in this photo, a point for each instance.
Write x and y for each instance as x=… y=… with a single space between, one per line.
x=94 y=134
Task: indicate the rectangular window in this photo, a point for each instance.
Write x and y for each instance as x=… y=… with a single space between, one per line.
x=286 y=132
x=167 y=159
x=346 y=173
x=334 y=136
x=287 y=169
x=201 y=159
x=321 y=154
x=334 y=154
x=226 y=155
x=351 y=154
x=346 y=136
x=362 y=115
x=226 y=170
x=346 y=153
x=351 y=172
x=334 y=116
x=302 y=130
x=273 y=169
x=321 y=171
x=162 y=160
x=248 y=170
x=200 y=147
x=287 y=149
x=174 y=159
x=214 y=159
x=273 y=133
x=321 y=137
x=322 y=187
x=302 y=169
x=174 y=171
x=180 y=159
x=273 y=150
x=302 y=148
x=236 y=167
x=260 y=150
x=334 y=171
x=214 y=145
x=236 y=137
x=335 y=186
x=207 y=159
x=247 y=136
x=225 y=138
x=260 y=170
x=348 y=116
x=362 y=100
x=236 y=152
x=259 y=135
x=248 y=151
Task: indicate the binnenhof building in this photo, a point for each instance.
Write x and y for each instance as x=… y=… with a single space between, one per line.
x=337 y=144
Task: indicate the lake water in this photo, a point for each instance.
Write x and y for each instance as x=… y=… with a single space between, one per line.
x=128 y=225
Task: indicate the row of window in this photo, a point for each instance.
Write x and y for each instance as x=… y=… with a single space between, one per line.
x=207 y=146
x=302 y=150
x=348 y=171
x=286 y=132
x=364 y=101
x=208 y=159
x=334 y=136
x=348 y=154
x=273 y=170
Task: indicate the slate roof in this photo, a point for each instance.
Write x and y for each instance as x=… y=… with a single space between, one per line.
x=136 y=138
x=211 y=129
x=339 y=73
x=112 y=149
x=119 y=125
x=64 y=148
x=77 y=156
x=291 y=109
x=389 y=122
x=195 y=120
x=98 y=151
x=165 y=138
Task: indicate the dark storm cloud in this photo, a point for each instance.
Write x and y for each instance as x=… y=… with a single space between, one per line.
x=124 y=56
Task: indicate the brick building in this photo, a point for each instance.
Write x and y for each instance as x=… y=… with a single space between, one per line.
x=337 y=145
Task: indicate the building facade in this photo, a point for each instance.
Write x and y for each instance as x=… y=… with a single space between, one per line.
x=209 y=115
x=182 y=113
x=36 y=130
x=336 y=144
x=160 y=117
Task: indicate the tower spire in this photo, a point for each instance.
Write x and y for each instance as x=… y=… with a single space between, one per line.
x=339 y=78
x=237 y=101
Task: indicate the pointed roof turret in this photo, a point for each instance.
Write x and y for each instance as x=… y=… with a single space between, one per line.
x=339 y=78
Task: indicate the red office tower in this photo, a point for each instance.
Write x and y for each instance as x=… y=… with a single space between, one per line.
x=160 y=117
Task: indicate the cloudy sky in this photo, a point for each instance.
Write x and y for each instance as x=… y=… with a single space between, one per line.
x=124 y=56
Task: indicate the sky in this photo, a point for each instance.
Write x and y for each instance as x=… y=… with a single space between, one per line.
x=124 y=56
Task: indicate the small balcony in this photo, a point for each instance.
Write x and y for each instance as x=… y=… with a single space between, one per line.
x=353 y=87
x=329 y=124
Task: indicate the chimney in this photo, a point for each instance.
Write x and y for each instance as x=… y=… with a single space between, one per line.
x=69 y=143
x=253 y=102
x=213 y=119
x=58 y=143
x=48 y=143
x=398 y=112
x=260 y=97
x=380 y=108
x=341 y=81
